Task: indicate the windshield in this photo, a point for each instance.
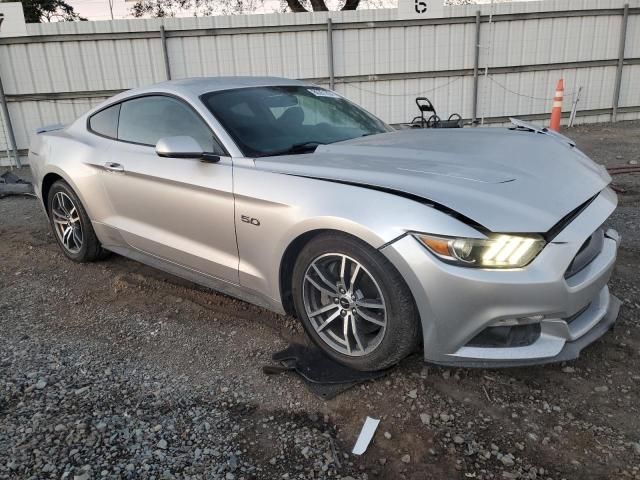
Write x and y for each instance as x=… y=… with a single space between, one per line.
x=281 y=120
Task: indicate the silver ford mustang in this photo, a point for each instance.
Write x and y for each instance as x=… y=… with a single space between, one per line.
x=486 y=246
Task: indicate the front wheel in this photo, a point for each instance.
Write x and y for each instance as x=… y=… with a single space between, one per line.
x=353 y=303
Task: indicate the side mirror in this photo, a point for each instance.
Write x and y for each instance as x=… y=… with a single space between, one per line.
x=183 y=147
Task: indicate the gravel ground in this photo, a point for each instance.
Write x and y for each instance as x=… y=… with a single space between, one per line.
x=115 y=370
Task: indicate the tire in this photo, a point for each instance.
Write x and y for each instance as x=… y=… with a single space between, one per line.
x=370 y=346
x=81 y=245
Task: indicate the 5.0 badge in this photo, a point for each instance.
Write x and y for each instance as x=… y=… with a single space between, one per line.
x=253 y=221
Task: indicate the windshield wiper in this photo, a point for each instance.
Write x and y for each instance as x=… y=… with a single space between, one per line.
x=304 y=147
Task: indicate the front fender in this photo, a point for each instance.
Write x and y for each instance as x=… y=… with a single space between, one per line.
x=287 y=207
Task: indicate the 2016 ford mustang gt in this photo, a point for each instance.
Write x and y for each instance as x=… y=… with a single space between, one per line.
x=485 y=246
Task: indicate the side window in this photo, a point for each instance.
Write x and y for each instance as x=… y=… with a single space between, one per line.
x=105 y=122
x=146 y=120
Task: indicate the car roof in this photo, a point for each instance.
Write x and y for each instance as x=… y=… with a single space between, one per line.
x=189 y=89
x=200 y=85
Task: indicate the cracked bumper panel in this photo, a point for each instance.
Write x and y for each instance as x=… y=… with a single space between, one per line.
x=456 y=304
x=555 y=343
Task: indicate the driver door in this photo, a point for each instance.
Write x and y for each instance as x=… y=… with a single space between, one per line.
x=176 y=209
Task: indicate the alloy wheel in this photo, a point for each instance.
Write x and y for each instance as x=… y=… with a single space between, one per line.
x=66 y=222
x=344 y=304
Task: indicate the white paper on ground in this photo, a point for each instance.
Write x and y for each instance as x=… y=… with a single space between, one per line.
x=368 y=430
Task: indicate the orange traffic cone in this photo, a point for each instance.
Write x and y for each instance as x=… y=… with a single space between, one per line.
x=556 y=111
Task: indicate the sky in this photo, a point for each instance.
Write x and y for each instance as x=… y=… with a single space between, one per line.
x=99 y=9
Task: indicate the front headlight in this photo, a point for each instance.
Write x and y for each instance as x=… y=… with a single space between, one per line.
x=496 y=251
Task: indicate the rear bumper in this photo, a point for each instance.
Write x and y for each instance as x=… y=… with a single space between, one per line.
x=457 y=304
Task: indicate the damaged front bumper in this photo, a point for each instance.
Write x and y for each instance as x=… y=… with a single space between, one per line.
x=543 y=313
x=555 y=336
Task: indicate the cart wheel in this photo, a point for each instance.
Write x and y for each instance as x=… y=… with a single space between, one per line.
x=433 y=122
x=456 y=117
x=417 y=122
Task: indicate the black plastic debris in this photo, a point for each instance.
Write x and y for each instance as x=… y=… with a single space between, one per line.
x=323 y=376
x=11 y=184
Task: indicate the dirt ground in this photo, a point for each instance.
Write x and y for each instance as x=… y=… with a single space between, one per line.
x=579 y=420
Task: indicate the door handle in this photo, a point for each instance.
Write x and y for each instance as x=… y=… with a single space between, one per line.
x=114 y=167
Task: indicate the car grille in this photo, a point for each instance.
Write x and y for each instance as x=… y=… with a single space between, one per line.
x=589 y=250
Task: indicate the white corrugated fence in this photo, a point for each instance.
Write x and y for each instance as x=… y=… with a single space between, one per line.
x=380 y=60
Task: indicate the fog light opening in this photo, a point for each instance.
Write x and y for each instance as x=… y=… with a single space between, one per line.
x=508 y=335
x=510 y=322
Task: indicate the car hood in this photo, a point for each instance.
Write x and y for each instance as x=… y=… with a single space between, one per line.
x=507 y=180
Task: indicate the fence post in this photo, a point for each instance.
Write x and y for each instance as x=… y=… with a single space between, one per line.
x=623 y=41
x=165 y=53
x=332 y=80
x=476 y=62
x=9 y=125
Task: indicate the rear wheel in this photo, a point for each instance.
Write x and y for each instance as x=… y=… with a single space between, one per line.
x=71 y=224
x=353 y=303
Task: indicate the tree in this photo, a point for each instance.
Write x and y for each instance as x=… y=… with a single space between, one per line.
x=171 y=8
x=319 y=5
x=37 y=11
x=326 y=5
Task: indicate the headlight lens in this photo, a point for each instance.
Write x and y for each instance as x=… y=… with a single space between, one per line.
x=496 y=251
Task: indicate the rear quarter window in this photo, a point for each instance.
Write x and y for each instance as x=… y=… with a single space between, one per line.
x=105 y=122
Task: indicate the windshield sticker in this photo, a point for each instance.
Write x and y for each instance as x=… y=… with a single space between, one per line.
x=319 y=92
